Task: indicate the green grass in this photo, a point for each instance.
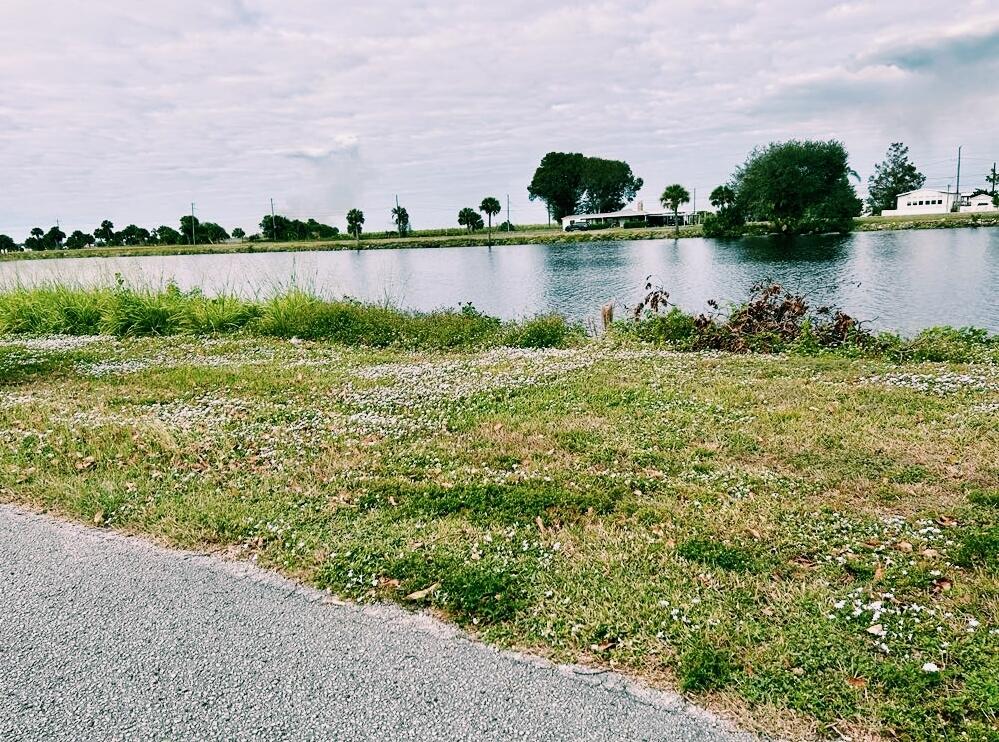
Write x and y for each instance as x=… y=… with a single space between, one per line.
x=789 y=538
x=122 y=311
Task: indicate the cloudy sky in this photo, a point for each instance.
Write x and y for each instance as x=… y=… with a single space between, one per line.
x=129 y=111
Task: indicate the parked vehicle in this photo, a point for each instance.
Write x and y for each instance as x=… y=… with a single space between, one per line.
x=577 y=226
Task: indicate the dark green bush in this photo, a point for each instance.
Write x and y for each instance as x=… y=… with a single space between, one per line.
x=704 y=667
x=548 y=331
x=979 y=547
x=716 y=554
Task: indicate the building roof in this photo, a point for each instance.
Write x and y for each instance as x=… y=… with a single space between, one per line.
x=927 y=190
x=623 y=214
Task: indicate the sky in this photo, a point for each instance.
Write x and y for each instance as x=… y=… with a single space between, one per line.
x=113 y=109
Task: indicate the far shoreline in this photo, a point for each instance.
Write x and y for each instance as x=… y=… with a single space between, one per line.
x=481 y=239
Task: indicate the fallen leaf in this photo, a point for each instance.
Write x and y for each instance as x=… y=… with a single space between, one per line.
x=856 y=682
x=879 y=572
x=755 y=534
x=498 y=427
x=797 y=672
x=392 y=501
x=930 y=553
x=904 y=546
x=422 y=594
x=541 y=524
x=85 y=463
x=98 y=517
x=946 y=521
x=877 y=629
x=942 y=585
x=609 y=644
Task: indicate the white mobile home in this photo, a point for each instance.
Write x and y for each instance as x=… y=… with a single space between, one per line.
x=626 y=217
x=981 y=203
x=923 y=201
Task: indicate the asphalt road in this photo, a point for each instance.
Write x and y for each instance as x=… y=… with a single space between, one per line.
x=108 y=637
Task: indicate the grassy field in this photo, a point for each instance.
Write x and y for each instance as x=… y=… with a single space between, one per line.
x=807 y=543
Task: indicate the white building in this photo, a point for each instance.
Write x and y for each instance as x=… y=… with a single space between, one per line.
x=923 y=201
x=981 y=202
x=653 y=218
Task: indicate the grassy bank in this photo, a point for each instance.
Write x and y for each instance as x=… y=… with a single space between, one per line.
x=533 y=235
x=807 y=541
x=123 y=311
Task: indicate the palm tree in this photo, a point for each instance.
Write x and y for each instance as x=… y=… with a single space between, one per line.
x=673 y=197
x=722 y=197
x=470 y=219
x=355 y=218
x=401 y=218
x=490 y=207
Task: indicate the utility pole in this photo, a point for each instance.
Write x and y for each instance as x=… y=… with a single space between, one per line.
x=957 y=199
x=994 y=180
x=273 y=223
x=194 y=236
x=509 y=224
x=694 y=205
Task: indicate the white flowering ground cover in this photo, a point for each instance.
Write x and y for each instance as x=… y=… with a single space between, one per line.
x=809 y=544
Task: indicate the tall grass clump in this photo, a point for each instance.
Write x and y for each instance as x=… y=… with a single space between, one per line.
x=51 y=310
x=124 y=311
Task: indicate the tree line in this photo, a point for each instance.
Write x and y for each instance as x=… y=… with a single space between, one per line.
x=191 y=230
x=791 y=187
x=274 y=227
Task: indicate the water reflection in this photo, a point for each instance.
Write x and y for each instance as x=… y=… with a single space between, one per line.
x=900 y=280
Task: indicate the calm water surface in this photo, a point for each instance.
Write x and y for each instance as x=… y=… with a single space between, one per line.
x=896 y=280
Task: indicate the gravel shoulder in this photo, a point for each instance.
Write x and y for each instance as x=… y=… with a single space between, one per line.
x=104 y=636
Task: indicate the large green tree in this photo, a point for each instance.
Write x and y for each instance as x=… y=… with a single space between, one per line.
x=355 y=223
x=727 y=221
x=895 y=175
x=610 y=185
x=798 y=186
x=105 y=232
x=35 y=239
x=722 y=197
x=190 y=229
x=54 y=238
x=212 y=233
x=133 y=235
x=558 y=182
x=569 y=182
x=79 y=240
x=490 y=206
x=469 y=218
x=672 y=198
x=168 y=235
x=7 y=243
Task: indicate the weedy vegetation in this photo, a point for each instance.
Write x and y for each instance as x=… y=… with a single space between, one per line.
x=803 y=538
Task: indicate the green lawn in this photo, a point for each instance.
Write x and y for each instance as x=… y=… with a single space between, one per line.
x=808 y=544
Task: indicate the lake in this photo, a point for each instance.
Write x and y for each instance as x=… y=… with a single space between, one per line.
x=905 y=280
